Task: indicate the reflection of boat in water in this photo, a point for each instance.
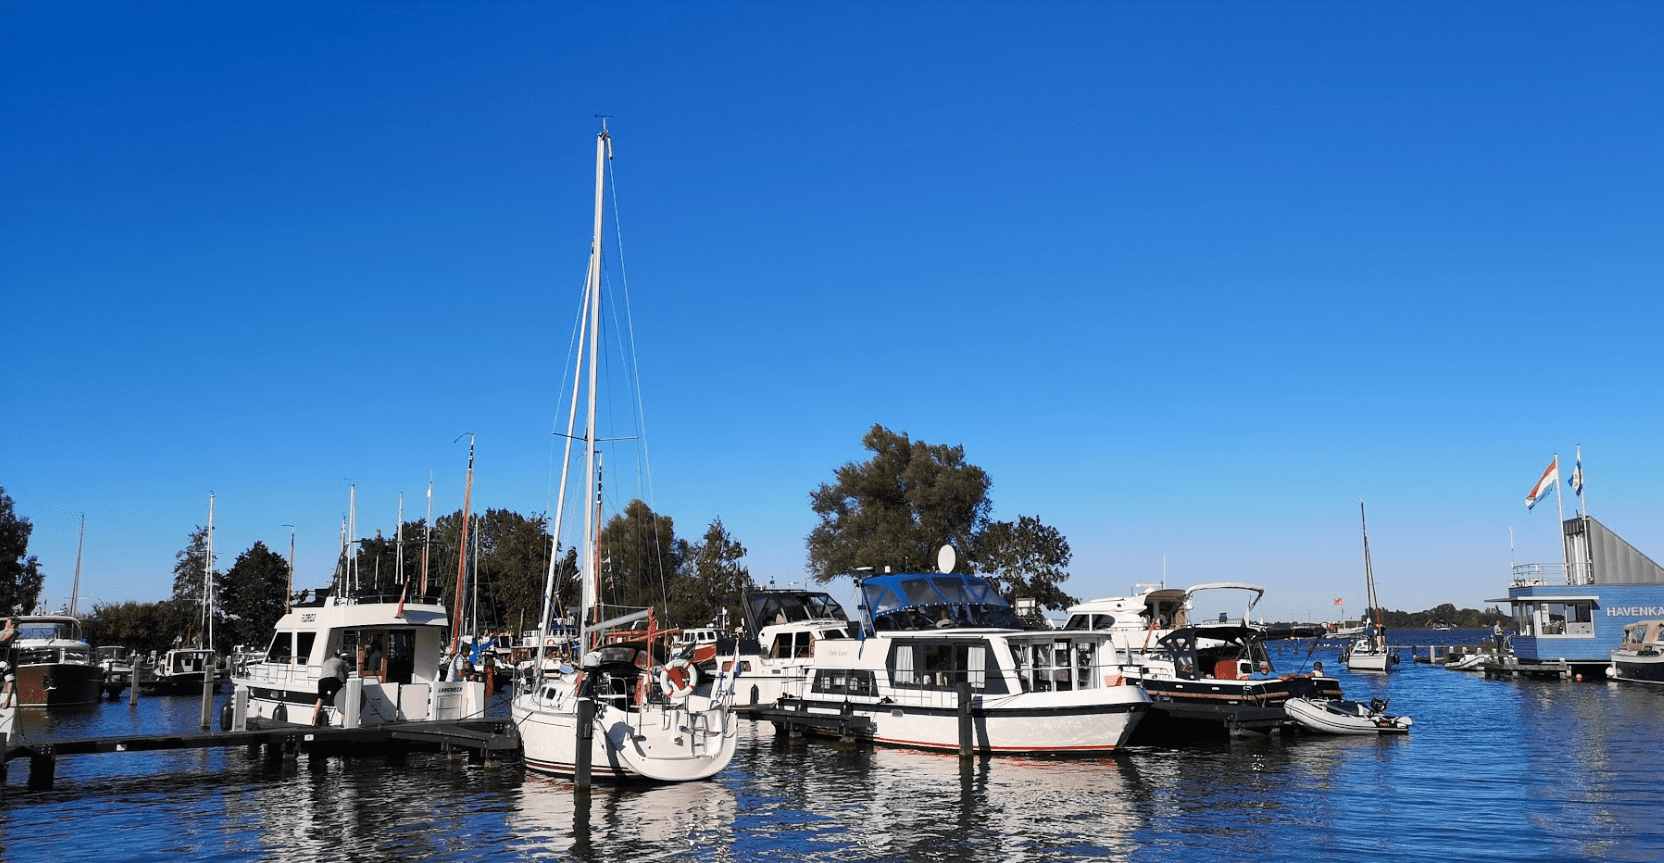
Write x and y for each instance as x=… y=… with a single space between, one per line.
x=53 y=662
x=1333 y=716
x=939 y=638
x=1638 y=658
x=783 y=627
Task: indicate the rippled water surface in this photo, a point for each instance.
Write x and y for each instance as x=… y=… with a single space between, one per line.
x=1493 y=770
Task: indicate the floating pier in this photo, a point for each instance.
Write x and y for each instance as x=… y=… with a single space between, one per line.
x=489 y=740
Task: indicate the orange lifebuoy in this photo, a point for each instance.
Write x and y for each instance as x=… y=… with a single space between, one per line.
x=677 y=679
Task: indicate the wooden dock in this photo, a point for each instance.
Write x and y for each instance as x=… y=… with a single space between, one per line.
x=489 y=740
x=793 y=717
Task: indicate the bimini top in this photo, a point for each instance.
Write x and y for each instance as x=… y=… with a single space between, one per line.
x=769 y=607
x=911 y=601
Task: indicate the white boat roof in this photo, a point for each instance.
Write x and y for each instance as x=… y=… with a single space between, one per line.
x=1138 y=601
x=338 y=614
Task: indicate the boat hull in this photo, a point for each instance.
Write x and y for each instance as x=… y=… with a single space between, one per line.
x=1078 y=722
x=652 y=742
x=59 y=684
x=1638 y=668
x=1182 y=710
x=1320 y=716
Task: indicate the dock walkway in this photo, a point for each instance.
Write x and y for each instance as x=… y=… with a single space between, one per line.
x=490 y=740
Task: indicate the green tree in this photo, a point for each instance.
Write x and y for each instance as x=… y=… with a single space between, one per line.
x=252 y=597
x=513 y=566
x=716 y=581
x=190 y=577
x=21 y=577
x=139 y=626
x=1025 y=559
x=639 y=557
x=897 y=508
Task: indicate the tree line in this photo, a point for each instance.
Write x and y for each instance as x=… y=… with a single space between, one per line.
x=893 y=510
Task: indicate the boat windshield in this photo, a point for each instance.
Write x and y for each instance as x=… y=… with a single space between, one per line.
x=797 y=607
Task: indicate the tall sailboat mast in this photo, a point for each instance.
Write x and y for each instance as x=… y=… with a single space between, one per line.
x=462 y=547
x=427 y=537
x=560 y=500
x=587 y=601
x=208 y=579
x=75 y=592
x=398 y=543
x=1369 y=577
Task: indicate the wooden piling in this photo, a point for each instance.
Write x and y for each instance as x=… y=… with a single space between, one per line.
x=965 y=725
x=208 y=691
x=585 y=744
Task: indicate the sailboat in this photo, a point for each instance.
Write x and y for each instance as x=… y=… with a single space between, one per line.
x=1368 y=651
x=618 y=716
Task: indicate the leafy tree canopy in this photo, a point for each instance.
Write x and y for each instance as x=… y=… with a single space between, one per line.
x=899 y=507
x=639 y=557
x=1026 y=559
x=715 y=581
x=252 y=598
x=21 y=577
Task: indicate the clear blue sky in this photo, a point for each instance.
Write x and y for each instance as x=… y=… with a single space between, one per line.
x=1187 y=279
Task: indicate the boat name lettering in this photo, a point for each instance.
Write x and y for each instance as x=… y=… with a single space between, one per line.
x=1636 y=611
x=309 y=618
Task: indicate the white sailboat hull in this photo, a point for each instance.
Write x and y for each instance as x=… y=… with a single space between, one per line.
x=660 y=742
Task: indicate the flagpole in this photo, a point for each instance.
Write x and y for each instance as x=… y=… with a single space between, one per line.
x=1560 y=507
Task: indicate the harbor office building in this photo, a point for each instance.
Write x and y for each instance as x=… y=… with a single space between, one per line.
x=1569 y=617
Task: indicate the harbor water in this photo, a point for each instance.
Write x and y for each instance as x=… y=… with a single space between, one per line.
x=1494 y=770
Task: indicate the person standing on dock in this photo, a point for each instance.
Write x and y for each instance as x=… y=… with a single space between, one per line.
x=333 y=677
x=1496 y=636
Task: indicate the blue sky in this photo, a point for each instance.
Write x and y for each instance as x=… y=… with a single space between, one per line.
x=1187 y=279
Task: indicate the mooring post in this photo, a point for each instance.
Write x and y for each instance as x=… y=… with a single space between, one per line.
x=964 y=691
x=133 y=685
x=586 y=736
x=208 y=691
x=43 y=768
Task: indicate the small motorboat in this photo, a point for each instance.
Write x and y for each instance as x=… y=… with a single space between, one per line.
x=1333 y=716
x=1471 y=662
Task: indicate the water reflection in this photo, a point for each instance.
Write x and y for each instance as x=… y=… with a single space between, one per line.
x=1493 y=771
x=684 y=821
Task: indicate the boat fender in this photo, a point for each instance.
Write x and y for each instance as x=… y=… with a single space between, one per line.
x=280 y=713
x=225 y=717
x=677 y=679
